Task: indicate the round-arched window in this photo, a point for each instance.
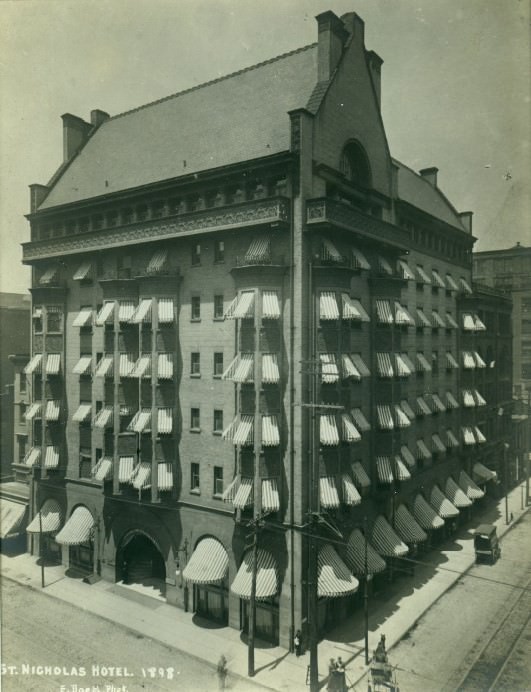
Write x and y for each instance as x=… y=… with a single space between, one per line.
x=354 y=164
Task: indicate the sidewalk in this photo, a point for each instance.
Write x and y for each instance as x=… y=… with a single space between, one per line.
x=405 y=602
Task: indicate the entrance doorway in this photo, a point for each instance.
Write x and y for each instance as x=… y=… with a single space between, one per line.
x=139 y=562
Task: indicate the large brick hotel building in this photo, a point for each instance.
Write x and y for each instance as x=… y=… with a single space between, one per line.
x=239 y=297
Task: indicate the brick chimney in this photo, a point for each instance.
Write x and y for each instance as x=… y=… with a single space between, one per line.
x=75 y=134
x=98 y=117
x=37 y=195
x=466 y=219
x=332 y=36
x=430 y=174
x=375 y=62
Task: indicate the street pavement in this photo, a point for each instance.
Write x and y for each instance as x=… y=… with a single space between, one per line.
x=406 y=600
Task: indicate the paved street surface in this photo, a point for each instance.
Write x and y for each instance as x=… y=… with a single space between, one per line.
x=477 y=636
x=43 y=631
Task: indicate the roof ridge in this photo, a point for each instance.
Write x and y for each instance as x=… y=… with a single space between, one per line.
x=212 y=81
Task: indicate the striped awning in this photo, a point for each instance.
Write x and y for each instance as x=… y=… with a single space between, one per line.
x=329 y=251
x=350 y=310
x=437 y=444
x=127 y=363
x=451 y=400
x=361 y=557
x=407 y=456
x=359 y=261
x=103 y=417
x=142 y=367
x=468 y=486
x=442 y=505
x=479 y=324
x=451 y=439
x=328 y=307
x=437 y=279
x=241 y=368
x=230 y=491
x=126 y=310
x=407 y=527
x=384 y=364
x=50 y=518
x=267 y=580
x=456 y=496
x=83 y=317
x=402 y=315
x=452 y=324
x=483 y=473
x=84 y=271
x=334 y=577
x=141 y=476
x=157 y=262
x=53 y=364
x=78 y=529
x=165 y=310
x=468 y=435
x=364 y=315
x=422 y=275
x=51 y=412
x=468 y=398
x=165 y=366
x=360 y=364
x=164 y=475
x=465 y=285
x=384 y=470
x=351 y=496
x=208 y=564
x=359 y=419
x=452 y=285
x=401 y=418
x=385 y=540
x=348 y=369
x=270 y=495
x=270 y=431
x=422 y=363
x=33 y=457
x=12 y=518
x=480 y=401
x=426 y=516
x=142 y=312
x=480 y=363
x=165 y=421
x=468 y=360
x=33 y=410
x=49 y=275
x=242 y=306
x=83 y=413
x=105 y=367
x=437 y=404
x=82 y=367
x=270 y=305
x=401 y=470
x=329 y=368
x=451 y=362
x=405 y=270
x=384 y=313
x=106 y=312
x=349 y=432
x=126 y=467
x=243 y=497
x=103 y=469
x=240 y=431
x=140 y=421
x=270 y=369
x=437 y=320
x=406 y=408
x=422 y=407
x=422 y=450
x=468 y=322
x=34 y=365
x=385 y=417
x=422 y=320
x=328 y=432
x=259 y=250
x=384 y=267
x=402 y=368
x=328 y=494
x=361 y=478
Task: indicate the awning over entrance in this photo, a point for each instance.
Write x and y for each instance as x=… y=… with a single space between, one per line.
x=50 y=517
x=209 y=563
x=483 y=474
x=12 y=518
x=468 y=486
x=456 y=495
x=442 y=504
x=407 y=527
x=334 y=577
x=266 y=576
x=426 y=515
x=78 y=529
x=385 y=539
x=356 y=555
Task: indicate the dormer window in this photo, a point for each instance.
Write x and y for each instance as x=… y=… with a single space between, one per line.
x=354 y=165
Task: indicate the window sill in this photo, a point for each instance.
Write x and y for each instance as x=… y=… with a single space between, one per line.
x=195 y=491
x=217 y=496
x=217 y=377
x=195 y=375
x=219 y=318
x=195 y=430
x=217 y=433
x=195 y=319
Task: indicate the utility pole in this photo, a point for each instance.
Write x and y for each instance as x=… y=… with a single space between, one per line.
x=41 y=552
x=505 y=448
x=256 y=525
x=366 y=593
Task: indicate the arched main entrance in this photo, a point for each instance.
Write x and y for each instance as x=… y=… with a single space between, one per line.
x=139 y=561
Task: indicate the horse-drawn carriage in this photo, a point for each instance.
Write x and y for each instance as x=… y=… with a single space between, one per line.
x=382 y=677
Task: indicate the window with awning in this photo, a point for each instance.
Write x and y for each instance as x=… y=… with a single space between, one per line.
x=437 y=320
x=157 y=261
x=425 y=515
x=384 y=364
x=480 y=363
x=348 y=369
x=402 y=315
x=141 y=421
x=83 y=317
x=468 y=486
x=53 y=363
x=402 y=368
x=483 y=474
x=142 y=312
x=270 y=495
x=451 y=362
x=51 y=412
x=84 y=271
x=437 y=279
x=105 y=367
x=456 y=496
x=208 y=564
x=422 y=275
x=468 y=322
x=78 y=529
x=104 y=417
x=329 y=252
x=422 y=407
x=422 y=320
x=334 y=578
x=34 y=365
x=405 y=270
x=437 y=404
x=105 y=314
x=401 y=418
x=48 y=519
x=359 y=419
x=480 y=437
x=451 y=401
x=51 y=457
x=437 y=444
x=165 y=310
x=259 y=251
x=164 y=476
x=329 y=368
x=270 y=431
x=452 y=324
x=141 y=476
x=442 y=505
x=328 y=495
x=406 y=408
x=328 y=432
x=83 y=366
x=242 y=307
x=480 y=401
x=349 y=432
x=384 y=266
x=401 y=472
x=165 y=421
x=49 y=276
x=328 y=306
x=12 y=518
x=361 y=557
x=126 y=310
x=479 y=324
x=270 y=305
x=364 y=315
x=359 y=261
x=384 y=470
x=350 y=311
x=422 y=363
x=384 y=417
x=422 y=450
x=407 y=456
x=385 y=540
x=102 y=471
x=451 y=439
x=452 y=285
x=384 y=313
x=165 y=366
x=33 y=411
x=468 y=398
x=465 y=286
x=351 y=496
x=270 y=369
x=267 y=579
x=33 y=457
x=126 y=364
x=126 y=467
x=82 y=413
x=240 y=431
x=243 y=497
x=407 y=527
x=142 y=367
x=360 y=364
x=241 y=368
x=468 y=435
x=360 y=476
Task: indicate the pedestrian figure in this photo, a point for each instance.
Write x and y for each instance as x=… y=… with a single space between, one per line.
x=297 y=641
x=222 y=672
x=341 y=676
x=332 y=676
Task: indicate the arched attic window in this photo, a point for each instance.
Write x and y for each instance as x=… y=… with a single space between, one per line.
x=354 y=165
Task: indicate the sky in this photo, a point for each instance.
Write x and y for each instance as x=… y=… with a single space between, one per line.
x=455 y=87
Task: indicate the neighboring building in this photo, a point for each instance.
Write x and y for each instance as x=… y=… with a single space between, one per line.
x=244 y=307
x=510 y=271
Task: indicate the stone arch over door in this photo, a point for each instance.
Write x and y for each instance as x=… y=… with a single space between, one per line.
x=140 y=560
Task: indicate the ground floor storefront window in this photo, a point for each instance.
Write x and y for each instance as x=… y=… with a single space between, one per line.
x=266 y=621
x=51 y=551
x=211 y=602
x=82 y=556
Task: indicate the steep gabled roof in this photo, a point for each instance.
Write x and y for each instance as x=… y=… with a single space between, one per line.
x=235 y=118
x=420 y=193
